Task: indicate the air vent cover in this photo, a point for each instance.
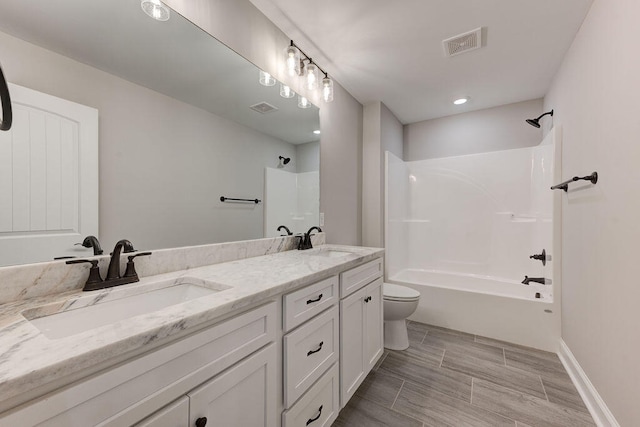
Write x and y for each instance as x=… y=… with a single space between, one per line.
x=462 y=43
x=264 y=108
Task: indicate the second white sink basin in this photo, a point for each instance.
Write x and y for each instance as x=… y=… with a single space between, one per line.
x=71 y=322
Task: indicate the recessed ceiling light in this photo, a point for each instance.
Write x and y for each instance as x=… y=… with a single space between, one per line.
x=317 y=131
x=155 y=9
x=461 y=101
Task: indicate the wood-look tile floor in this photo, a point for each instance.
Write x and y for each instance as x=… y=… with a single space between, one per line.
x=450 y=378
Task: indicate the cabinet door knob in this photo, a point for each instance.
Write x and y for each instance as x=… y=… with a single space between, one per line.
x=201 y=422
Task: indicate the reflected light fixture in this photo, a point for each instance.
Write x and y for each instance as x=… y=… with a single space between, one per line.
x=536 y=122
x=155 y=9
x=316 y=132
x=461 y=101
x=303 y=102
x=298 y=63
x=286 y=91
x=266 y=79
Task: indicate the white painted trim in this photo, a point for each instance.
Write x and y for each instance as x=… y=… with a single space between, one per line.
x=596 y=405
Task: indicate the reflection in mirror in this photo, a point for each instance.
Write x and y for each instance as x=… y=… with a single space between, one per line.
x=176 y=131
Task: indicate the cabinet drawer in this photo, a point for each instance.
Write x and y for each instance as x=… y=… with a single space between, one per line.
x=354 y=279
x=302 y=305
x=319 y=406
x=173 y=415
x=308 y=352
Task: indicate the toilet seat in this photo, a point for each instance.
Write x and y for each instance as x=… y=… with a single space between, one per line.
x=399 y=293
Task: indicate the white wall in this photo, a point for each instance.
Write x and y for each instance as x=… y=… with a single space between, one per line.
x=491 y=129
x=382 y=131
x=242 y=27
x=163 y=163
x=595 y=98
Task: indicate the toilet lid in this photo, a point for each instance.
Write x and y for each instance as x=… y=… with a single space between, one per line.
x=399 y=293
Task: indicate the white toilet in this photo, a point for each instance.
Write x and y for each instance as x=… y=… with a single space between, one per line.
x=399 y=303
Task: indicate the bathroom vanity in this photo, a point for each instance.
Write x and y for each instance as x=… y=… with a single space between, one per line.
x=281 y=339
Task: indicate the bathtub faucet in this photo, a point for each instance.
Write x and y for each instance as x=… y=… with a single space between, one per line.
x=540 y=280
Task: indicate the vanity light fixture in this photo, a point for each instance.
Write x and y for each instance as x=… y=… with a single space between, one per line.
x=155 y=9
x=266 y=79
x=298 y=63
x=461 y=101
x=303 y=102
x=286 y=91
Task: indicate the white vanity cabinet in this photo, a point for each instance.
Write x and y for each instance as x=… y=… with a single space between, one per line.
x=361 y=326
x=229 y=361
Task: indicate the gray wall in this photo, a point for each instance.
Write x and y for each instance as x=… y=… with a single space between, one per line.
x=308 y=157
x=246 y=30
x=595 y=98
x=382 y=131
x=163 y=163
x=491 y=129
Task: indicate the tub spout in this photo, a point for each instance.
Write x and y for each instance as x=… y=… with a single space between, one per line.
x=540 y=280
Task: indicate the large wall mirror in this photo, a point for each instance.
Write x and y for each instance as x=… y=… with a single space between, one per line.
x=176 y=132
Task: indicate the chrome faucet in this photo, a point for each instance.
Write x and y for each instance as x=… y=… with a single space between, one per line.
x=540 y=280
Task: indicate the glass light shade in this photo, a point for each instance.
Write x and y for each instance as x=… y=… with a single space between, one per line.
x=292 y=60
x=311 y=77
x=155 y=9
x=286 y=91
x=327 y=89
x=266 y=79
x=303 y=102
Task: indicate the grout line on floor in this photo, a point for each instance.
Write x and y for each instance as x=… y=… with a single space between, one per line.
x=543 y=389
x=471 y=400
x=442 y=360
x=504 y=356
x=398 y=394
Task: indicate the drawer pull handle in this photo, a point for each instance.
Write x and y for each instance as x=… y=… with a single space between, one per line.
x=310 y=420
x=310 y=352
x=201 y=422
x=314 y=300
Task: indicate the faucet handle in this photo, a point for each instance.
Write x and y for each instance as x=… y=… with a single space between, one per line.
x=131 y=268
x=94 y=271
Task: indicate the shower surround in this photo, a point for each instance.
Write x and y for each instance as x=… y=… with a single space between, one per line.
x=461 y=231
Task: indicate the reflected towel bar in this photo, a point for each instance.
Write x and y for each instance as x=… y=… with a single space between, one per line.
x=565 y=185
x=224 y=199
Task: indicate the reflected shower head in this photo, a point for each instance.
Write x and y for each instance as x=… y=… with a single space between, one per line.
x=285 y=160
x=536 y=122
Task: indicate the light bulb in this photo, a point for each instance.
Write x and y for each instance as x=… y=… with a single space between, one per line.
x=461 y=101
x=292 y=60
x=286 y=92
x=266 y=79
x=155 y=9
x=327 y=89
x=312 y=76
x=303 y=102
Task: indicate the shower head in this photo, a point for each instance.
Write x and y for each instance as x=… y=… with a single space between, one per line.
x=536 y=122
x=285 y=160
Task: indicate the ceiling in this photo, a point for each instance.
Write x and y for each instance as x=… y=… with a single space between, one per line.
x=117 y=37
x=391 y=51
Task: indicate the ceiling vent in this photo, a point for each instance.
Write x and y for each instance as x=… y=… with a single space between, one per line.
x=264 y=108
x=462 y=43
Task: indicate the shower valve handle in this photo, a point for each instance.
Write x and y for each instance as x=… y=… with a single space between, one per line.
x=540 y=257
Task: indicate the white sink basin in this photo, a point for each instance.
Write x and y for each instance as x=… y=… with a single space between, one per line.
x=71 y=322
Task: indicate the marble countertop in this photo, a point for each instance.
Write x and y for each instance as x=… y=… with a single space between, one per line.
x=29 y=360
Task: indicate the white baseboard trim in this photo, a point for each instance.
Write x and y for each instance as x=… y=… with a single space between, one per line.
x=598 y=409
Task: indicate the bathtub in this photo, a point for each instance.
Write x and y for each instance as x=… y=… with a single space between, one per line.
x=493 y=307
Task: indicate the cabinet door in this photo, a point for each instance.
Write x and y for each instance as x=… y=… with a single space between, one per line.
x=244 y=395
x=175 y=414
x=373 y=340
x=351 y=344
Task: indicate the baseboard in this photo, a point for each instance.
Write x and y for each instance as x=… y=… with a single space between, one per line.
x=598 y=409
